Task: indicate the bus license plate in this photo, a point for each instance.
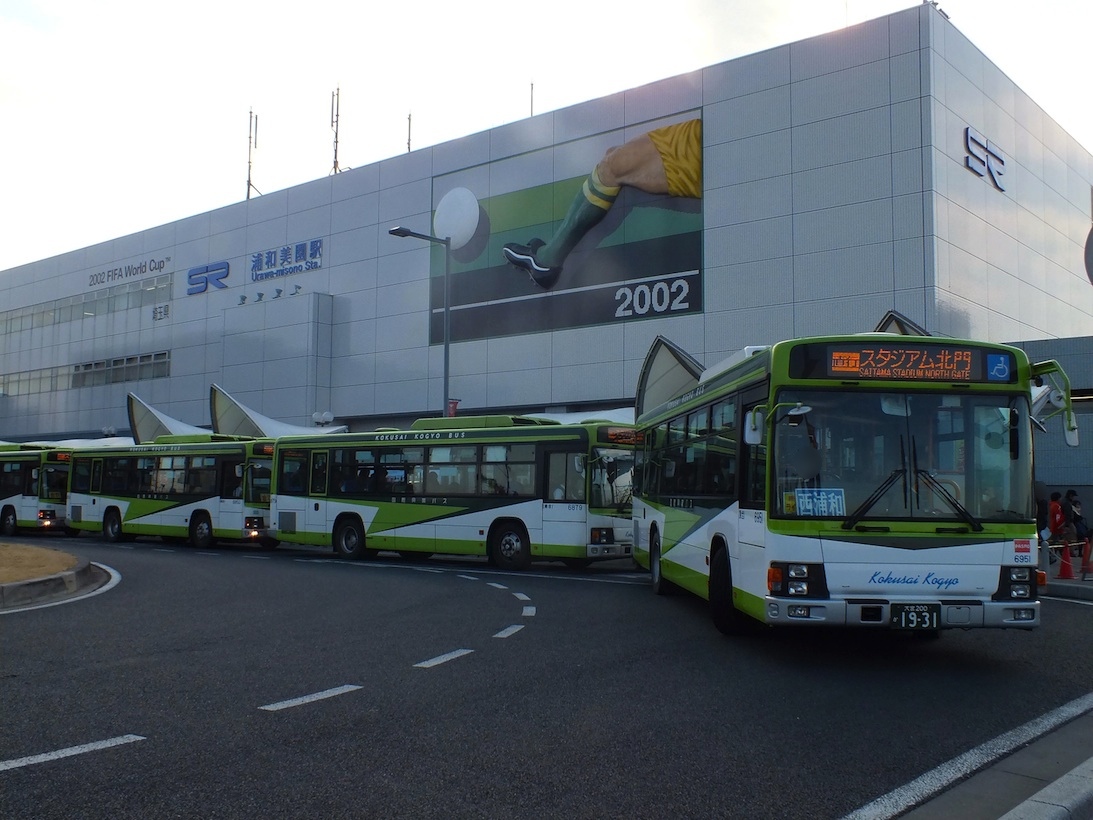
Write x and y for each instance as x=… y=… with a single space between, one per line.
x=916 y=616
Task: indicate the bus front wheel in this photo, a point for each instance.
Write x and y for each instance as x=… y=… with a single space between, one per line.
x=349 y=539
x=111 y=526
x=661 y=586
x=726 y=617
x=510 y=547
x=201 y=531
x=9 y=524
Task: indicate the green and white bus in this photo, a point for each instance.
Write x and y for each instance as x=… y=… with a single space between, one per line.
x=33 y=488
x=183 y=488
x=872 y=480
x=511 y=488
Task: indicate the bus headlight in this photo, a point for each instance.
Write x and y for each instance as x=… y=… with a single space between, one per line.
x=799 y=580
x=254 y=524
x=1020 y=591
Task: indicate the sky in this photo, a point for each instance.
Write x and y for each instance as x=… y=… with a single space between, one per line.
x=121 y=115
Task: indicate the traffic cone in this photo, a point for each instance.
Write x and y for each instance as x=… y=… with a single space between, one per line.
x=1066 y=569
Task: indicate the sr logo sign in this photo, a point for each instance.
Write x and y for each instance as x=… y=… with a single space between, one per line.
x=201 y=277
x=984 y=157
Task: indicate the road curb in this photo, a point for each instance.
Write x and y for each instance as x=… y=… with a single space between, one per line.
x=1068 y=798
x=1075 y=590
x=52 y=587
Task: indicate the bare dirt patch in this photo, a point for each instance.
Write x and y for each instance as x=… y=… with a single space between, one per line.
x=19 y=563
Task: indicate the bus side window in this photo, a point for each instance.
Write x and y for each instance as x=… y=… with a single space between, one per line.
x=231 y=485
x=81 y=477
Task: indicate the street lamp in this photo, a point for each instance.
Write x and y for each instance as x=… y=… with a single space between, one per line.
x=398 y=230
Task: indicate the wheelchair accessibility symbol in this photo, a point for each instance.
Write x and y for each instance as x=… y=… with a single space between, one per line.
x=998 y=367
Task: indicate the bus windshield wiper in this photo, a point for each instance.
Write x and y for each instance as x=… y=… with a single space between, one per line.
x=942 y=490
x=867 y=505
x=950 y=499
x=875 y=496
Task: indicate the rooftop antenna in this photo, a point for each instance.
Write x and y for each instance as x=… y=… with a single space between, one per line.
x=335 y=115
x=533 y=99
x=252 y=143
x=409 y=118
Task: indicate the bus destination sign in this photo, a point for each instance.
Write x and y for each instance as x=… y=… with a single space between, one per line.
x=918 y=362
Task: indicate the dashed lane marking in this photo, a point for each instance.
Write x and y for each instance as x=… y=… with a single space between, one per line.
x=509 y=630
x=326 y=693
x=439 y=659
x=69 y=752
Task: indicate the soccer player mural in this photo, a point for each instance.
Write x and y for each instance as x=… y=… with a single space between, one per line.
x=666 y=160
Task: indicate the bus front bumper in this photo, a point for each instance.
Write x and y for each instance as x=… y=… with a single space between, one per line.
x=909 y=615
x=601 y=551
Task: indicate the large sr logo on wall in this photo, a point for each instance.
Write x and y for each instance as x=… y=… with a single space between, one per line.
x=201 y=277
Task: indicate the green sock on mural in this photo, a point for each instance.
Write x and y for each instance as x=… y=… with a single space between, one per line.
x=588 y=208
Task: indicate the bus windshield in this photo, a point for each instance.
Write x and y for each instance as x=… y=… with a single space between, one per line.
x=258 y=480
x=612 y=477
x=961 y=459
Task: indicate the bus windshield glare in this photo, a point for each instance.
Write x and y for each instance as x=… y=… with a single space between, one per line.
x=612 y=477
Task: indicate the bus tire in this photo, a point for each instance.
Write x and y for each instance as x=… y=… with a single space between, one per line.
x=509 y=545
x=201 y=531
x=111 y=526
x=9 y=524
x=349 y=539
x=726 y=617
x=661 y=586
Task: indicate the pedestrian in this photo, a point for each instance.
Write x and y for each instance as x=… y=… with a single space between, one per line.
x=1081 y=526
x=1062 y=530
x=1039 y=490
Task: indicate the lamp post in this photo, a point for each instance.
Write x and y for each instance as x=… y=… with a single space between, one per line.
x=398 y=230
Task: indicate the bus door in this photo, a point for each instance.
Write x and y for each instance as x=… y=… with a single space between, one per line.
x=565 y=507
x=28 y=507
x=231 y=494
x=19 y=489
x=315 y=507
x=752 y=521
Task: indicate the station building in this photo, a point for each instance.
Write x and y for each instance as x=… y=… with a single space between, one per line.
x=889 y=166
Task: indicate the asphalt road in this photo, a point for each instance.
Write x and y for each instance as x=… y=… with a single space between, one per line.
x=232 y=683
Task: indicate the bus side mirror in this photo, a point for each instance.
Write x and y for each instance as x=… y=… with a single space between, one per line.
x=238 y=470
x=753 y=426
x=1070 y=429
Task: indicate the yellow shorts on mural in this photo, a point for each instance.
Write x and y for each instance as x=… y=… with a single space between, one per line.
x=680 y=149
